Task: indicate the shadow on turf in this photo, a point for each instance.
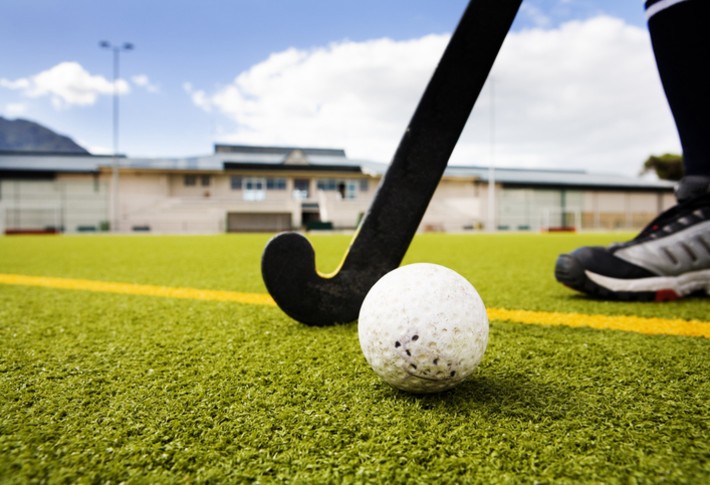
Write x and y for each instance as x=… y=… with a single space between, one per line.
x=510 y=395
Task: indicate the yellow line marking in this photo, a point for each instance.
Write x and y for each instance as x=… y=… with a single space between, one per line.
x=134 y=289
x=645 y=325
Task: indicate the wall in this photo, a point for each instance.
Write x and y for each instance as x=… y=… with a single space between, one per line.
x=543 y=209
x=70 y=203
x=162 y=203
x=455 y=206
x=611 y=210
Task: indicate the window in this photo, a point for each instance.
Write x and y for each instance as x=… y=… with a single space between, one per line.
x=350 y=189
x=191 y=180
x=347 y=188
x=301 y=189
x=276 y=184
x=254 y=188
x=364 y=185
x=327 y=184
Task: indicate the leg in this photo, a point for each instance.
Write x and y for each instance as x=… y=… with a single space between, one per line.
x=670 y=258
x=681 y=45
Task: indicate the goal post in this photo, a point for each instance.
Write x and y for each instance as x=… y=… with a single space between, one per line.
x=31 y=220
x=559 y=220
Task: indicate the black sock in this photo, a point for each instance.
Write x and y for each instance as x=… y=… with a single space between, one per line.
x=681 y=44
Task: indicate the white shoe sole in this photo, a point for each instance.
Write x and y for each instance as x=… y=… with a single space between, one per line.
x=682 y=285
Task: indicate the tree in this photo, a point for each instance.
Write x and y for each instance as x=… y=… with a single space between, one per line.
x=667 y=167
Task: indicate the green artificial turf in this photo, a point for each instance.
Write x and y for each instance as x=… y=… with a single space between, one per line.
x=104 y=388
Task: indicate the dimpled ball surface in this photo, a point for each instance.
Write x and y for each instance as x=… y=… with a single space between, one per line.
x=423 y=328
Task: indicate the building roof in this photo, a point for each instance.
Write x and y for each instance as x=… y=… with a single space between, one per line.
x=279 y=151
x=39 y=162
x=224 y=154
x=527 y=177
x=250 y=158
x=558 y=177
x=236 y=157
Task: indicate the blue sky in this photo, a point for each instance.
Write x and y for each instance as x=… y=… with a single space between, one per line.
x=343 y=73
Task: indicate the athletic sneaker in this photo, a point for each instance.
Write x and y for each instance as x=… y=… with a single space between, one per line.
x=668 y=260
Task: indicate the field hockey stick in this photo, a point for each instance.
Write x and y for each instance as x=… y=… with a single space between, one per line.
x=288 y=263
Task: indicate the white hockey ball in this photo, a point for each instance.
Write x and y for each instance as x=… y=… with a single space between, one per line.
x=423 y=328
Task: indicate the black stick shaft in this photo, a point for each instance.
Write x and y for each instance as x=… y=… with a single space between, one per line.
x=288 y=265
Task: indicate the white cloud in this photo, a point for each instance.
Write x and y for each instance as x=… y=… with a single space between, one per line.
x=66 y=84
x=355 y=95
x=585 y=94
x=199 y=98
x=96 y=149
x=15 y=109
x=16 y=84
x=535 y=14
x=143 y=81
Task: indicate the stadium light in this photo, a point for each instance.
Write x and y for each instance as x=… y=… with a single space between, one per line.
x=491 y=205
x=116 y=49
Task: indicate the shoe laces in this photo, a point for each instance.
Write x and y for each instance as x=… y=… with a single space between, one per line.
x=675 y=219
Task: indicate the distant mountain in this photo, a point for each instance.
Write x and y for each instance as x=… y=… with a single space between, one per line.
x=26 y=135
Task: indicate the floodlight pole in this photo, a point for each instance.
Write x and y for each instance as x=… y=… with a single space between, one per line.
x=115 y=208
x=491 y=216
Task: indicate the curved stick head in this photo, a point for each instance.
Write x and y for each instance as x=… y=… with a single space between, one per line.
x=289 y=272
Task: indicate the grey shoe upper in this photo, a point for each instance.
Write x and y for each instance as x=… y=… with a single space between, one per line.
x=683 y=250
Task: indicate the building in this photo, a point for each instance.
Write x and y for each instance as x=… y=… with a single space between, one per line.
x=42 y=192
x=538 y=199
x=251 y=188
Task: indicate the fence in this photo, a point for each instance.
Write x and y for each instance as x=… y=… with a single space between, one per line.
x=53 y=206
